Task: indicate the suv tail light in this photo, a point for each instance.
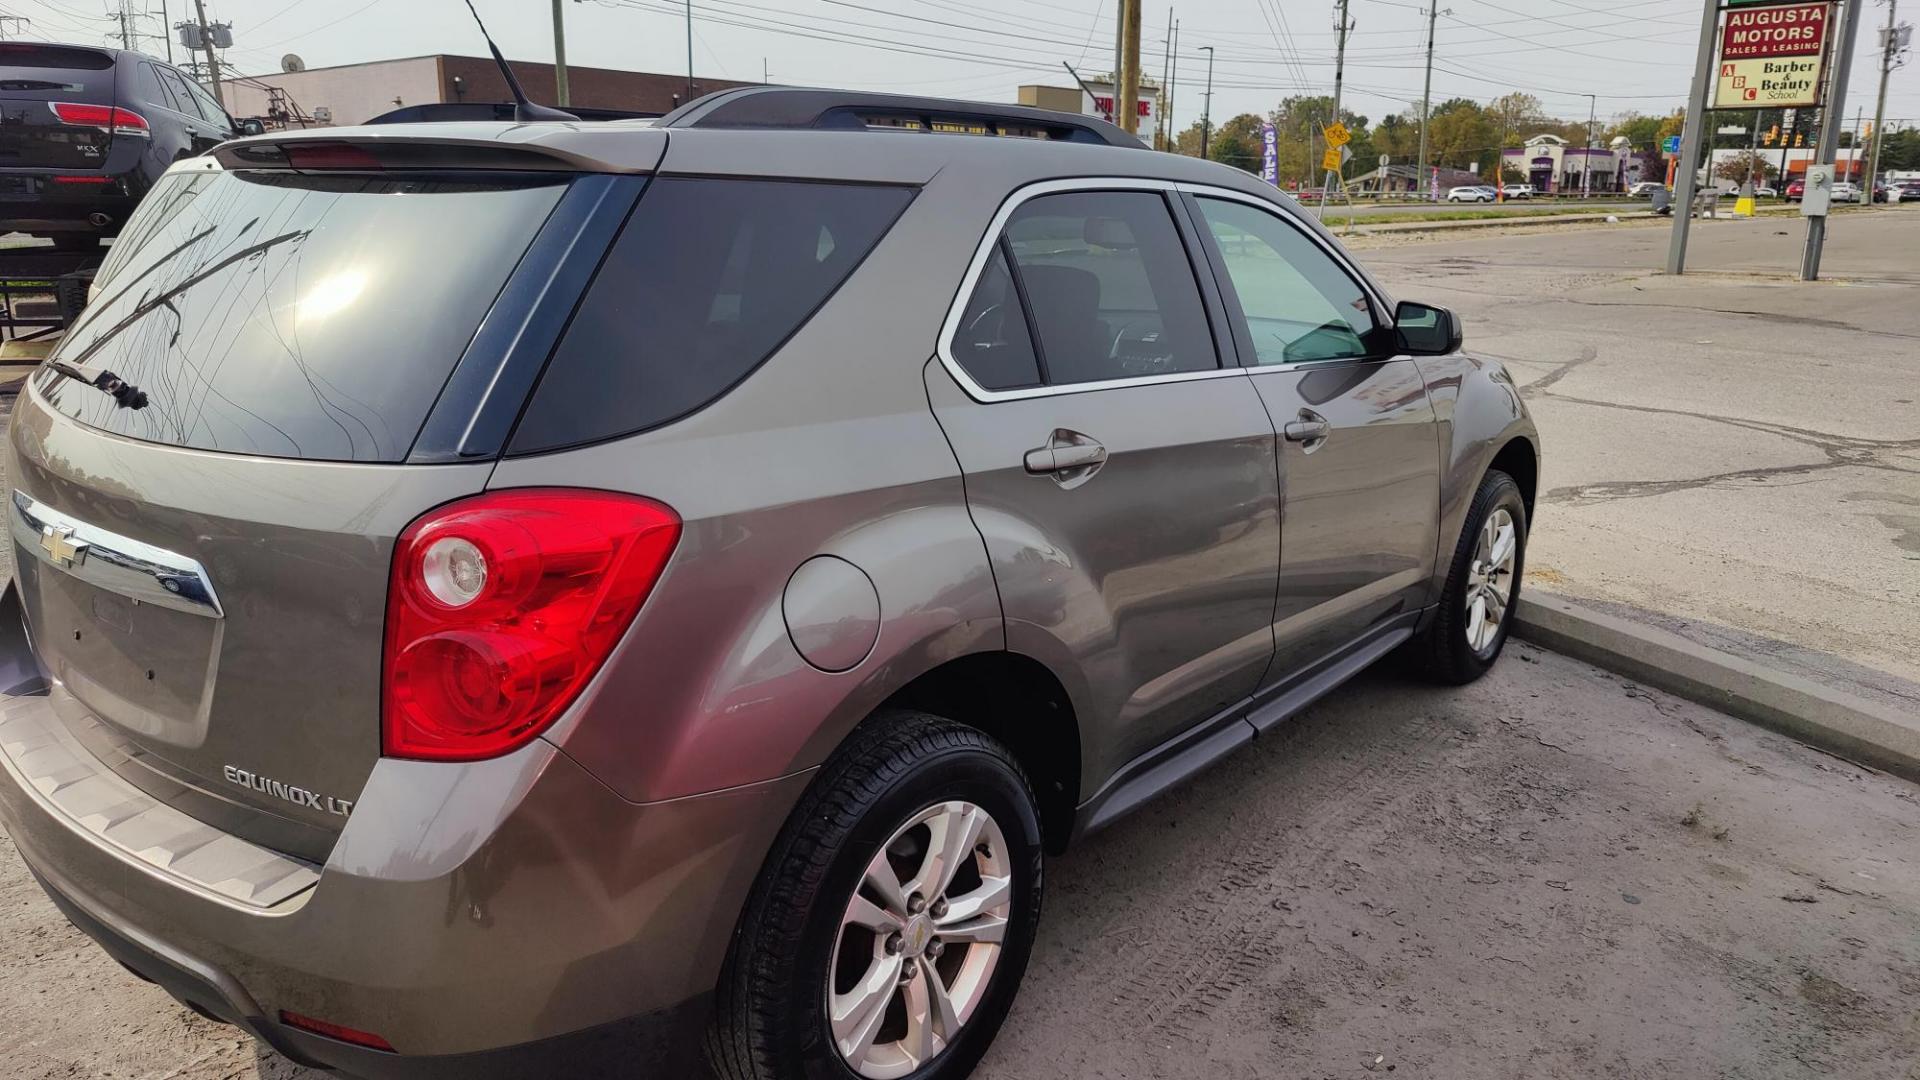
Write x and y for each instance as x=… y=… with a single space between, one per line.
x=108 y=118
x=501 y=608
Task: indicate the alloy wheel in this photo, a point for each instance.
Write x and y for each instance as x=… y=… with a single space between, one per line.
x=1490 y=579
x=919 y=940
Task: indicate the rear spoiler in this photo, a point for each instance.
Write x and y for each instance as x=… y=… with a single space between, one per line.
x=603 y=148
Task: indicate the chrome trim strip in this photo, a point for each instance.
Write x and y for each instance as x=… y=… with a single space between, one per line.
x=950 y=326
x=120 y=564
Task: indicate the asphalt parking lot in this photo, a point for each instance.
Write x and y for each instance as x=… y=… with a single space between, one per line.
x=1549 y=873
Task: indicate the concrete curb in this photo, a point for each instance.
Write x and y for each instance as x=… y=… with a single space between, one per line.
x=1818 y=715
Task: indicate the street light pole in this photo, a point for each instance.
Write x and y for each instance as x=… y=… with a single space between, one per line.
x=1206 y=110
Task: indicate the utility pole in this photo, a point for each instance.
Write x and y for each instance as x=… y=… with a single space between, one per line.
x=689 y=50
x=1127 y=92
x=206 y=39
x=1173 y=76
x=1829 y=147
x=1889 y=51
x=125 y=19
x=1690 y=138
x=1341 y=30
x=1426 y=100
x=560 y=55
x=1166 y=80
x=1206 y=110
x=1586 y=166
x=166 y=24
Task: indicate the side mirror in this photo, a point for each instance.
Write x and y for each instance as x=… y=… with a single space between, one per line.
x=1426 y=330
x=252 y=126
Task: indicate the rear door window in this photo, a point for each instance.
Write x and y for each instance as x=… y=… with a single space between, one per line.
x=209 y=108
x=708 y=278
x=182 y=94
x=153 y=90
x=1110 y=286
x=297 y=315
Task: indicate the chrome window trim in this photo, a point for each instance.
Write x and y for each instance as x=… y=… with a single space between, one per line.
x=134 y=569
x=950 y=327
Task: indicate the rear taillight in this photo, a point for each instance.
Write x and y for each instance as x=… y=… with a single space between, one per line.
x=502 y=607
x=108 y=118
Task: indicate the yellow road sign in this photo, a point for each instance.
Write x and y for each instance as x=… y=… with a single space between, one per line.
x=1330 y=161
x=1338 y=135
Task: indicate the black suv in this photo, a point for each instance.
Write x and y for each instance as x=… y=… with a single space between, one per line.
x=84 y=132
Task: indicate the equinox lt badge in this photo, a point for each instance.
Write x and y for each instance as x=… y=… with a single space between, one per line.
x=298 y=796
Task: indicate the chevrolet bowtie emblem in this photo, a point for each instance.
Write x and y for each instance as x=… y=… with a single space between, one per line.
x=58 y=542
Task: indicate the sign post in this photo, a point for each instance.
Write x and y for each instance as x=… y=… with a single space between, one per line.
x=1688 y=162
x=1829 y=148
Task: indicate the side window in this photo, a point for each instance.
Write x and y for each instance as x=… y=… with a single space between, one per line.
x=1112 y=291
x=1299 y=303
x=183 y=97
x=209 y=108
x=152 y=90
x=708 y=278
x=992 y=341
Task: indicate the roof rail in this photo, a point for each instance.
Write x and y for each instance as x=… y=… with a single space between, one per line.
x=789 y=107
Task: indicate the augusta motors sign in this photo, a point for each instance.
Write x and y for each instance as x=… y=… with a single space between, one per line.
x=1756 y=33
x=1770 y=57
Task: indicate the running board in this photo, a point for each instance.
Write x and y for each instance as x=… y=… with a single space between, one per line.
x=1194 y=750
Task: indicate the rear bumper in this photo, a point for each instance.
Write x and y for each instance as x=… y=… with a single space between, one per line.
x=512 y=917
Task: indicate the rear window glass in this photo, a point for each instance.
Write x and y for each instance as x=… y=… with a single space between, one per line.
x=52 y=72
x=708 y=278
x=299 y=316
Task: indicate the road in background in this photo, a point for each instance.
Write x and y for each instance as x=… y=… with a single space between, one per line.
x=1735 y=457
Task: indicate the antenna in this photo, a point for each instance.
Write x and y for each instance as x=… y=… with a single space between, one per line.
x=524 y=111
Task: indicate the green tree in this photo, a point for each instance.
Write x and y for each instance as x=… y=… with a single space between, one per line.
x=1515 y=116
x=1459 y=135
x=1900 y=150
x=1738 y=168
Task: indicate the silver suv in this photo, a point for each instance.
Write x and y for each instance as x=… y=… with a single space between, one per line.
x=492 y=596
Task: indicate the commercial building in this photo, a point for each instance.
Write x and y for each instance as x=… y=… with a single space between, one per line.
x=355 y=93
x=1556 y=167
x=1097 y=100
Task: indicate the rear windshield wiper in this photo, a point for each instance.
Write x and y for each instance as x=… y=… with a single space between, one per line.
x=125 y=393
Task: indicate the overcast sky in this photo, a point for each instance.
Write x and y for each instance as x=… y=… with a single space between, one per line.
x=1635 y=55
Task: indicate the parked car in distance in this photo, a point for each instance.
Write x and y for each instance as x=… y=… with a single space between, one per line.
x=1644 y=189
x=1844 y=191
x=715 y=576
x=1796 y=189
x=1517 y=191
x=1909 y=189
x=86 y=131
x=1763 y=191
x=1470 y=193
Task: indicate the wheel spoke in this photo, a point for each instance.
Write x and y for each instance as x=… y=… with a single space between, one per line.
x=1496 y=604
x=864 y=912
x=993 y=892
x=946 y=1018
x=954 y=833
x=881 y=879
x=1477 y=620
x=858 y=1014
x=978 y=930
x=1502 y=547
x=921 y=1042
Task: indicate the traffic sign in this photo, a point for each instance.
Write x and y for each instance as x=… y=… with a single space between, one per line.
x=1385 y=160
x=1672 y=145
x=1338 y=135
x=1330 y=161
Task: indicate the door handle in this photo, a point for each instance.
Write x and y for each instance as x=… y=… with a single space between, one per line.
x=1069 y=457
x=1310 y=429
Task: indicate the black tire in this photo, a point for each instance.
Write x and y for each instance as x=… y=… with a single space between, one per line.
x=770 y=1011
x=1442 y=651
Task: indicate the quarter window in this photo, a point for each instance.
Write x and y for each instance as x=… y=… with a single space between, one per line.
x=1299 y=303
x=993 y=342
x=1112 y=293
